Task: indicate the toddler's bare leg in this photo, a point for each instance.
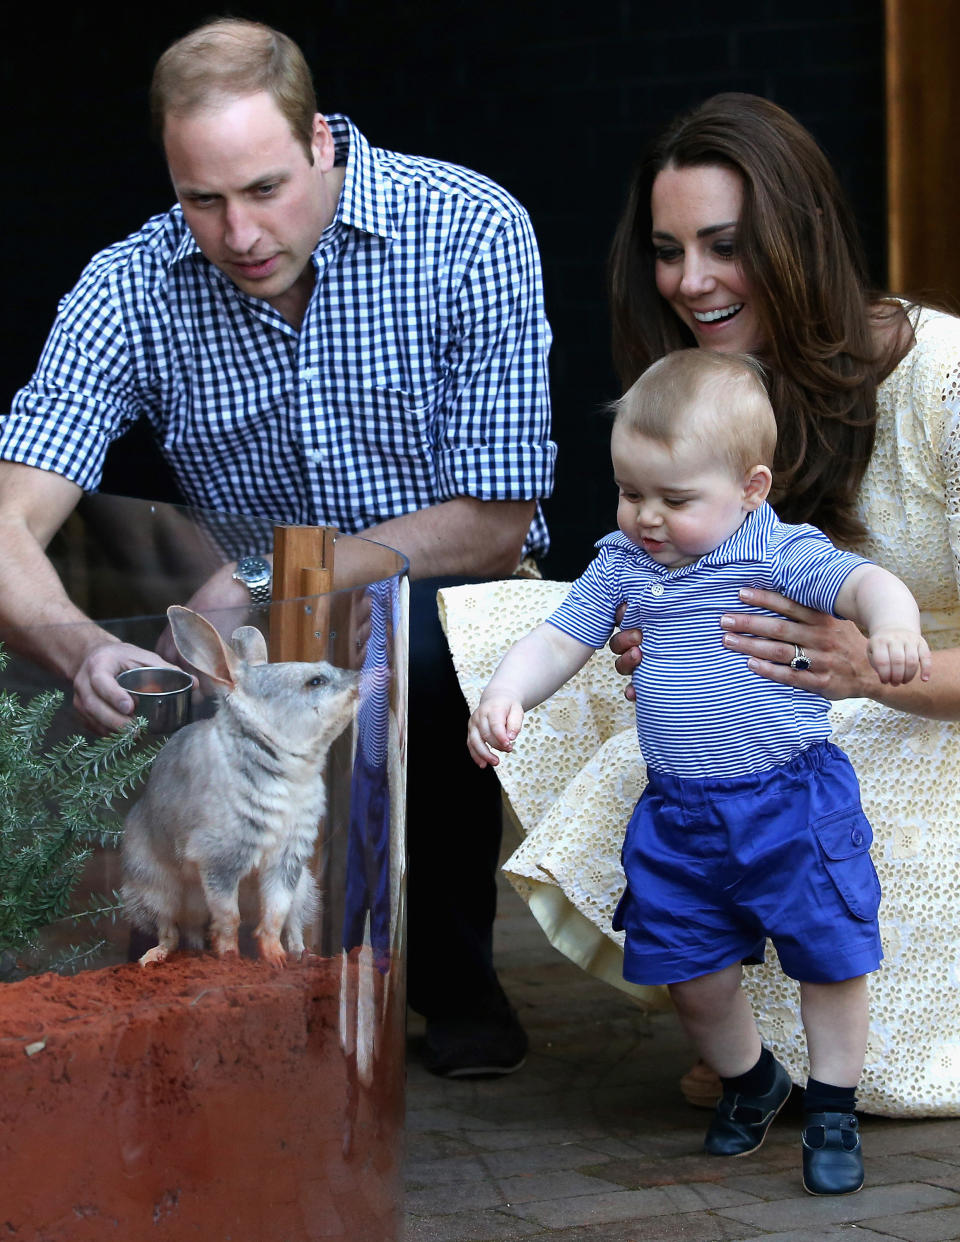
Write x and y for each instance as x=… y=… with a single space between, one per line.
x=836 y=1021
x=714 y=1011
x=835 y=1018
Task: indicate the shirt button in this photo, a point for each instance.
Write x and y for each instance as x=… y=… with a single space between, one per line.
x=657 y=588
x=856 y=837
x=309 y=373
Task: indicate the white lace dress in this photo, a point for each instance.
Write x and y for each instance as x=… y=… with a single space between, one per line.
x=576 y=772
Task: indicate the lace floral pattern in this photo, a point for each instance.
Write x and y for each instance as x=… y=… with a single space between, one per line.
x=576 y=774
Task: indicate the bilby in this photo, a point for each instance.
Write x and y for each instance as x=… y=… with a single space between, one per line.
x=239 y=794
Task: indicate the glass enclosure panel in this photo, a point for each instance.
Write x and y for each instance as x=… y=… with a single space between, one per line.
x=246 y=1082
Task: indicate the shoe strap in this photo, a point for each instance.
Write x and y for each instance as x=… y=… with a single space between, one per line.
x=837 y=1130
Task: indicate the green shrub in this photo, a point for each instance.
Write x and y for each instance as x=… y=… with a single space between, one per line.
x=56 y=804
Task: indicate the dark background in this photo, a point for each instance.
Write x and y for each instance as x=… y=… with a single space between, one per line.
x=552 y=99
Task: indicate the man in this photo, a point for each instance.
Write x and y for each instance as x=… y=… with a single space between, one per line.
x=320 y=332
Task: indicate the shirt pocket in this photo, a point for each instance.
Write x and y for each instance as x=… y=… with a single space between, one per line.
x=845 y=838
x=399 y=422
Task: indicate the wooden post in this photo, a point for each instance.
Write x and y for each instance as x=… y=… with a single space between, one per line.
x=923 y=172
x=302 y=570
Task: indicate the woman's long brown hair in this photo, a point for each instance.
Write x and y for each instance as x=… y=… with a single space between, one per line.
x=798 y=246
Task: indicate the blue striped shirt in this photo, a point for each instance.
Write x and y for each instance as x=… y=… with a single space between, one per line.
x=419 y=373
x=700 y=711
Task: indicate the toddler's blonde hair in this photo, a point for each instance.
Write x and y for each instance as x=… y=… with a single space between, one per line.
x=707 y=399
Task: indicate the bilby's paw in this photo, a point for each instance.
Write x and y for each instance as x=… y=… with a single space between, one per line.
x=159 y=953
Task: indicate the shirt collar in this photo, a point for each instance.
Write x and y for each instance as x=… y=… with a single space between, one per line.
x=366 y=197
x=187 y=245
x=747 y=543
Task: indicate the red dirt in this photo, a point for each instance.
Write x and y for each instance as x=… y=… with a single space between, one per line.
x=201 y=1100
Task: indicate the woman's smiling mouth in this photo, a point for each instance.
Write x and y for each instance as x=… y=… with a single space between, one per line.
x=716 y=316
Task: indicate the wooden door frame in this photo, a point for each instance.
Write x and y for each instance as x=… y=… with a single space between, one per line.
x=922 y=43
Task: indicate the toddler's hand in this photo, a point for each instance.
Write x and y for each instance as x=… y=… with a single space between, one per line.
x=897 y=655
x=495 y=723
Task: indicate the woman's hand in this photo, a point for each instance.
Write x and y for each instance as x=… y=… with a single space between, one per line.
x=625 y=645
x=837 y=651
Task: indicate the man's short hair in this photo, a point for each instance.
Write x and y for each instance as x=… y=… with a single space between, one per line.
x=229 y=58
x=699 y=396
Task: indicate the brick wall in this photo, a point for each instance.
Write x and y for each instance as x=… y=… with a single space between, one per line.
x=553 y=99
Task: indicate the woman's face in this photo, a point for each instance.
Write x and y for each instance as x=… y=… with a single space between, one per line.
x=695 y=216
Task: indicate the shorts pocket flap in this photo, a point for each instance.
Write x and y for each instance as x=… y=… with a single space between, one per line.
x=845 y=839
x=844 y=834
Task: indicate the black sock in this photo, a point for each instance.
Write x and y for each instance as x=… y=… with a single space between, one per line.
x=756 y=1081
x=822 y=1097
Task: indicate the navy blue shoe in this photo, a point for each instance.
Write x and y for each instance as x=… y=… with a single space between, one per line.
x=832 y=1159
x=740 y=1122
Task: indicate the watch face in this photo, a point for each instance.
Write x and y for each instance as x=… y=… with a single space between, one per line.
x=253 y=570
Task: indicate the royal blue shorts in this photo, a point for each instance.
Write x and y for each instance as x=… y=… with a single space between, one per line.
x=714 y=867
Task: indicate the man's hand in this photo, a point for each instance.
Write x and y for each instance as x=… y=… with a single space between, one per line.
x=101 y=702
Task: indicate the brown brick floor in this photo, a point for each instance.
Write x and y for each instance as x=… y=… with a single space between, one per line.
x=591 y=1141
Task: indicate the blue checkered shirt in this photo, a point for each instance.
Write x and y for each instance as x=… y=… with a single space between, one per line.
x=419 y=373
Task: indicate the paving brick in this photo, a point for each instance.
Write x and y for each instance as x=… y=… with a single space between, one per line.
x=772 y=1185
x=457 y=1169
x=888 y=1138
x=949 y=1155
x=620 y=1206
x=543 y=1159
x=502 y=1140
x=534 y=1187
x=843 y=1233
x=436 y=1145
x=443 y=1120
x=868 y=1206
x=455 y=1197
x=693 y=1227
x=467 y=1227
x=904 y=1167
x=938 y=1225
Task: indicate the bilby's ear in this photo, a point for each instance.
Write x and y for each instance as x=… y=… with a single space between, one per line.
x=200 y=645
x=249 y=644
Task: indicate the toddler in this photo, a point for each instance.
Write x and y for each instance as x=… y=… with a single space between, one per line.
x=750 y=825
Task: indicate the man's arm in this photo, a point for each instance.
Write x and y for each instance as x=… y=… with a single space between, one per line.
x=459 y=536
x=33 y=505
x=493 y=457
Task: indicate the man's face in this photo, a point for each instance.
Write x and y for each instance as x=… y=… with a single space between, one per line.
x=255 y=204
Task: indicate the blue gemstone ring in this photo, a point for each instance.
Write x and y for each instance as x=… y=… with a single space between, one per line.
x=801 y=661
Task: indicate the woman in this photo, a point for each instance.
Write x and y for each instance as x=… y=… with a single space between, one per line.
x=736 y=237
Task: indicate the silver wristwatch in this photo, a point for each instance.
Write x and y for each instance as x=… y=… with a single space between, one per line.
x=257 y=576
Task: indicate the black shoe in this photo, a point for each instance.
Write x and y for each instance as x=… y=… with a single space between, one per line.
x=741 y=1122
x=832 y=1159
x=475 y=1047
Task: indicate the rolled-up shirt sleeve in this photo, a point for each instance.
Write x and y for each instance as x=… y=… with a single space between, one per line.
x=494 y=443
x=84 y=392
